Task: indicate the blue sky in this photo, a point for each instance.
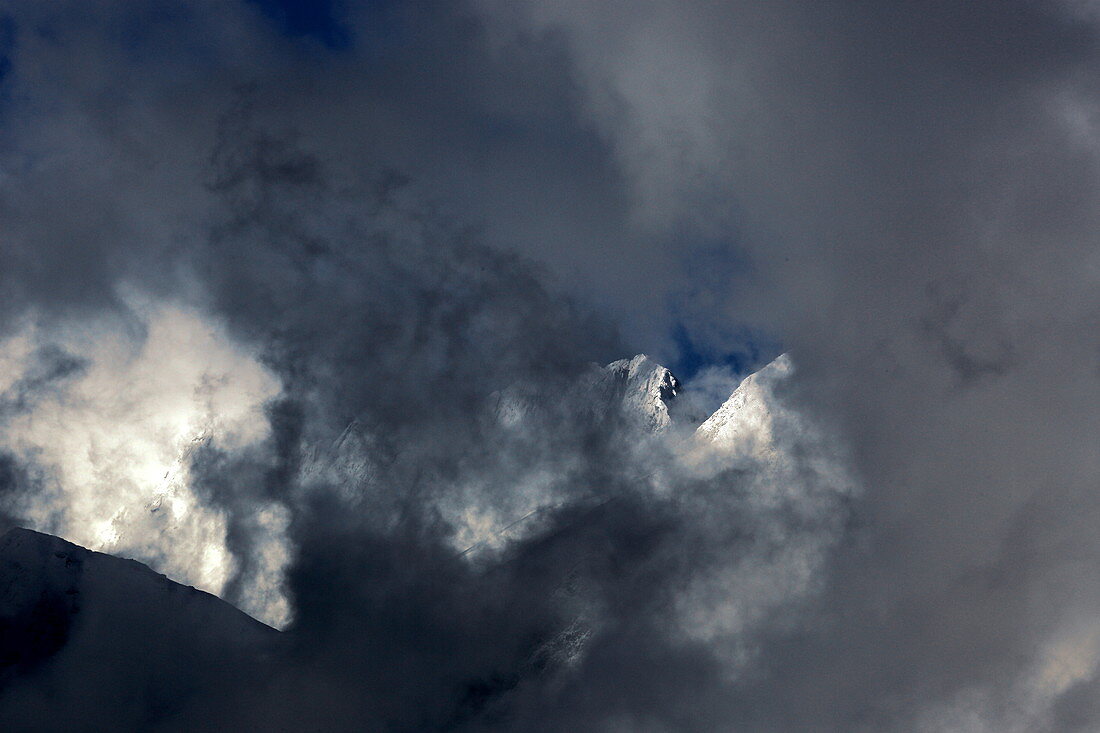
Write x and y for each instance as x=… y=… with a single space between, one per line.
x=313 y=18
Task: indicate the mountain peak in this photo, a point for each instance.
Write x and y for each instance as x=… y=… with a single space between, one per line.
x=744 y=424
x=646 y=389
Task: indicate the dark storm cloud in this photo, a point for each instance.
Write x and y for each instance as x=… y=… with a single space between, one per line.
x=383 y=316
x=901 y=193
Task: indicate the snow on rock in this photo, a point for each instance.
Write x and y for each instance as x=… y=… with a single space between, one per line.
x=629 y=398
x=745 y=426
x=645 y=390
x=638 y=390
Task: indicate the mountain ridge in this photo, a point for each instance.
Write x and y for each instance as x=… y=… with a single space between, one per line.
x=64 y=607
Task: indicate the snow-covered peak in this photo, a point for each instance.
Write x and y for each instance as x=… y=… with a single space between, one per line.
x=646 y=390
x=744 y=426
x=637 y=389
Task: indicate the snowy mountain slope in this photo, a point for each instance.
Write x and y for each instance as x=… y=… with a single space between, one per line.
x=638 y=390
x=643 y=389
x=81 y=628
x=745 y=426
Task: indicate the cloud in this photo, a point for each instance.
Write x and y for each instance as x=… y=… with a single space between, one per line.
x=480 y=199
x=110 y=419
x=911 y=194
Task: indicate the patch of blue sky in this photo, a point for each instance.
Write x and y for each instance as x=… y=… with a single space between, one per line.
x=703 y=339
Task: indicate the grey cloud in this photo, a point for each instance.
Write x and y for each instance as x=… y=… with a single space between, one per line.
x=911 y=186
x=905 y=193
x=51 y=365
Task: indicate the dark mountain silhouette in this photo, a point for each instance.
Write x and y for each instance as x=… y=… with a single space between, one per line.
x=83 y=631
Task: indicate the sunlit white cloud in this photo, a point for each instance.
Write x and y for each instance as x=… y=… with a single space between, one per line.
x=112 y=439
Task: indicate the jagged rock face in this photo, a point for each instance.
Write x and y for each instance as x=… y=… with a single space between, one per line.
x=81 y=628
x=645 y=391
x=638 y=390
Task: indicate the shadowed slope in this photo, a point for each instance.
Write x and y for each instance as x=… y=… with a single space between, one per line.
x=83 y=631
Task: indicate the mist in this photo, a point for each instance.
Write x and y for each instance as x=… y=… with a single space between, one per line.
x=308 y=309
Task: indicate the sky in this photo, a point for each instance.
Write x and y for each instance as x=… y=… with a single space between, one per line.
x=270 y=269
